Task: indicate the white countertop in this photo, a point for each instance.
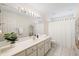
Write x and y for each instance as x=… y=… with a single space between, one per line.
x=22 y=45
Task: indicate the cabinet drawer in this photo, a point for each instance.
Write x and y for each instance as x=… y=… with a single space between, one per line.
x=48 y=40
x=40 y=44
x=31 y=50
x=20 y=54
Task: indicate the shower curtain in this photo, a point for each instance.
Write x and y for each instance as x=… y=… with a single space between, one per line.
x=63 y=32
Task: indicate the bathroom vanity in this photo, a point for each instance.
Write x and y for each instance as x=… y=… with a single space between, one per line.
x=30 y=47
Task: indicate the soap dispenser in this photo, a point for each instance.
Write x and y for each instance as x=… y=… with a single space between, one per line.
x=37 y=36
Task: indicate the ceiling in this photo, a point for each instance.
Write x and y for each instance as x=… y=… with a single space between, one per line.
x=46 y=8
x=53 y=7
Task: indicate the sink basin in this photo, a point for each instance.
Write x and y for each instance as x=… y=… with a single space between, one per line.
x=23 y=39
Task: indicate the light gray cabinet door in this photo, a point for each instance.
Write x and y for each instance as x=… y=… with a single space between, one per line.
x=41 y=49
x=32 y=51
x=47 y=45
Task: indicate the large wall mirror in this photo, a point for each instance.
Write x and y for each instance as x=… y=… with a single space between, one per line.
x=17 y=18
x=13 y=20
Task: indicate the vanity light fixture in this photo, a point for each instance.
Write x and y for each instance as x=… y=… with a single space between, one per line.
x=28 y=11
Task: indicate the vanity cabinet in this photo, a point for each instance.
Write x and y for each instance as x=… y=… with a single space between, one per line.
x=38 y=47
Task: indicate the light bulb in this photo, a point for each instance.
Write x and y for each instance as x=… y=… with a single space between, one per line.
x=0 y=32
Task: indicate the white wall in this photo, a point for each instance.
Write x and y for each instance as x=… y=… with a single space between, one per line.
x=63 y=32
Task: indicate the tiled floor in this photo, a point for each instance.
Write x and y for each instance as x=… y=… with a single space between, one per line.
x=58 y=51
